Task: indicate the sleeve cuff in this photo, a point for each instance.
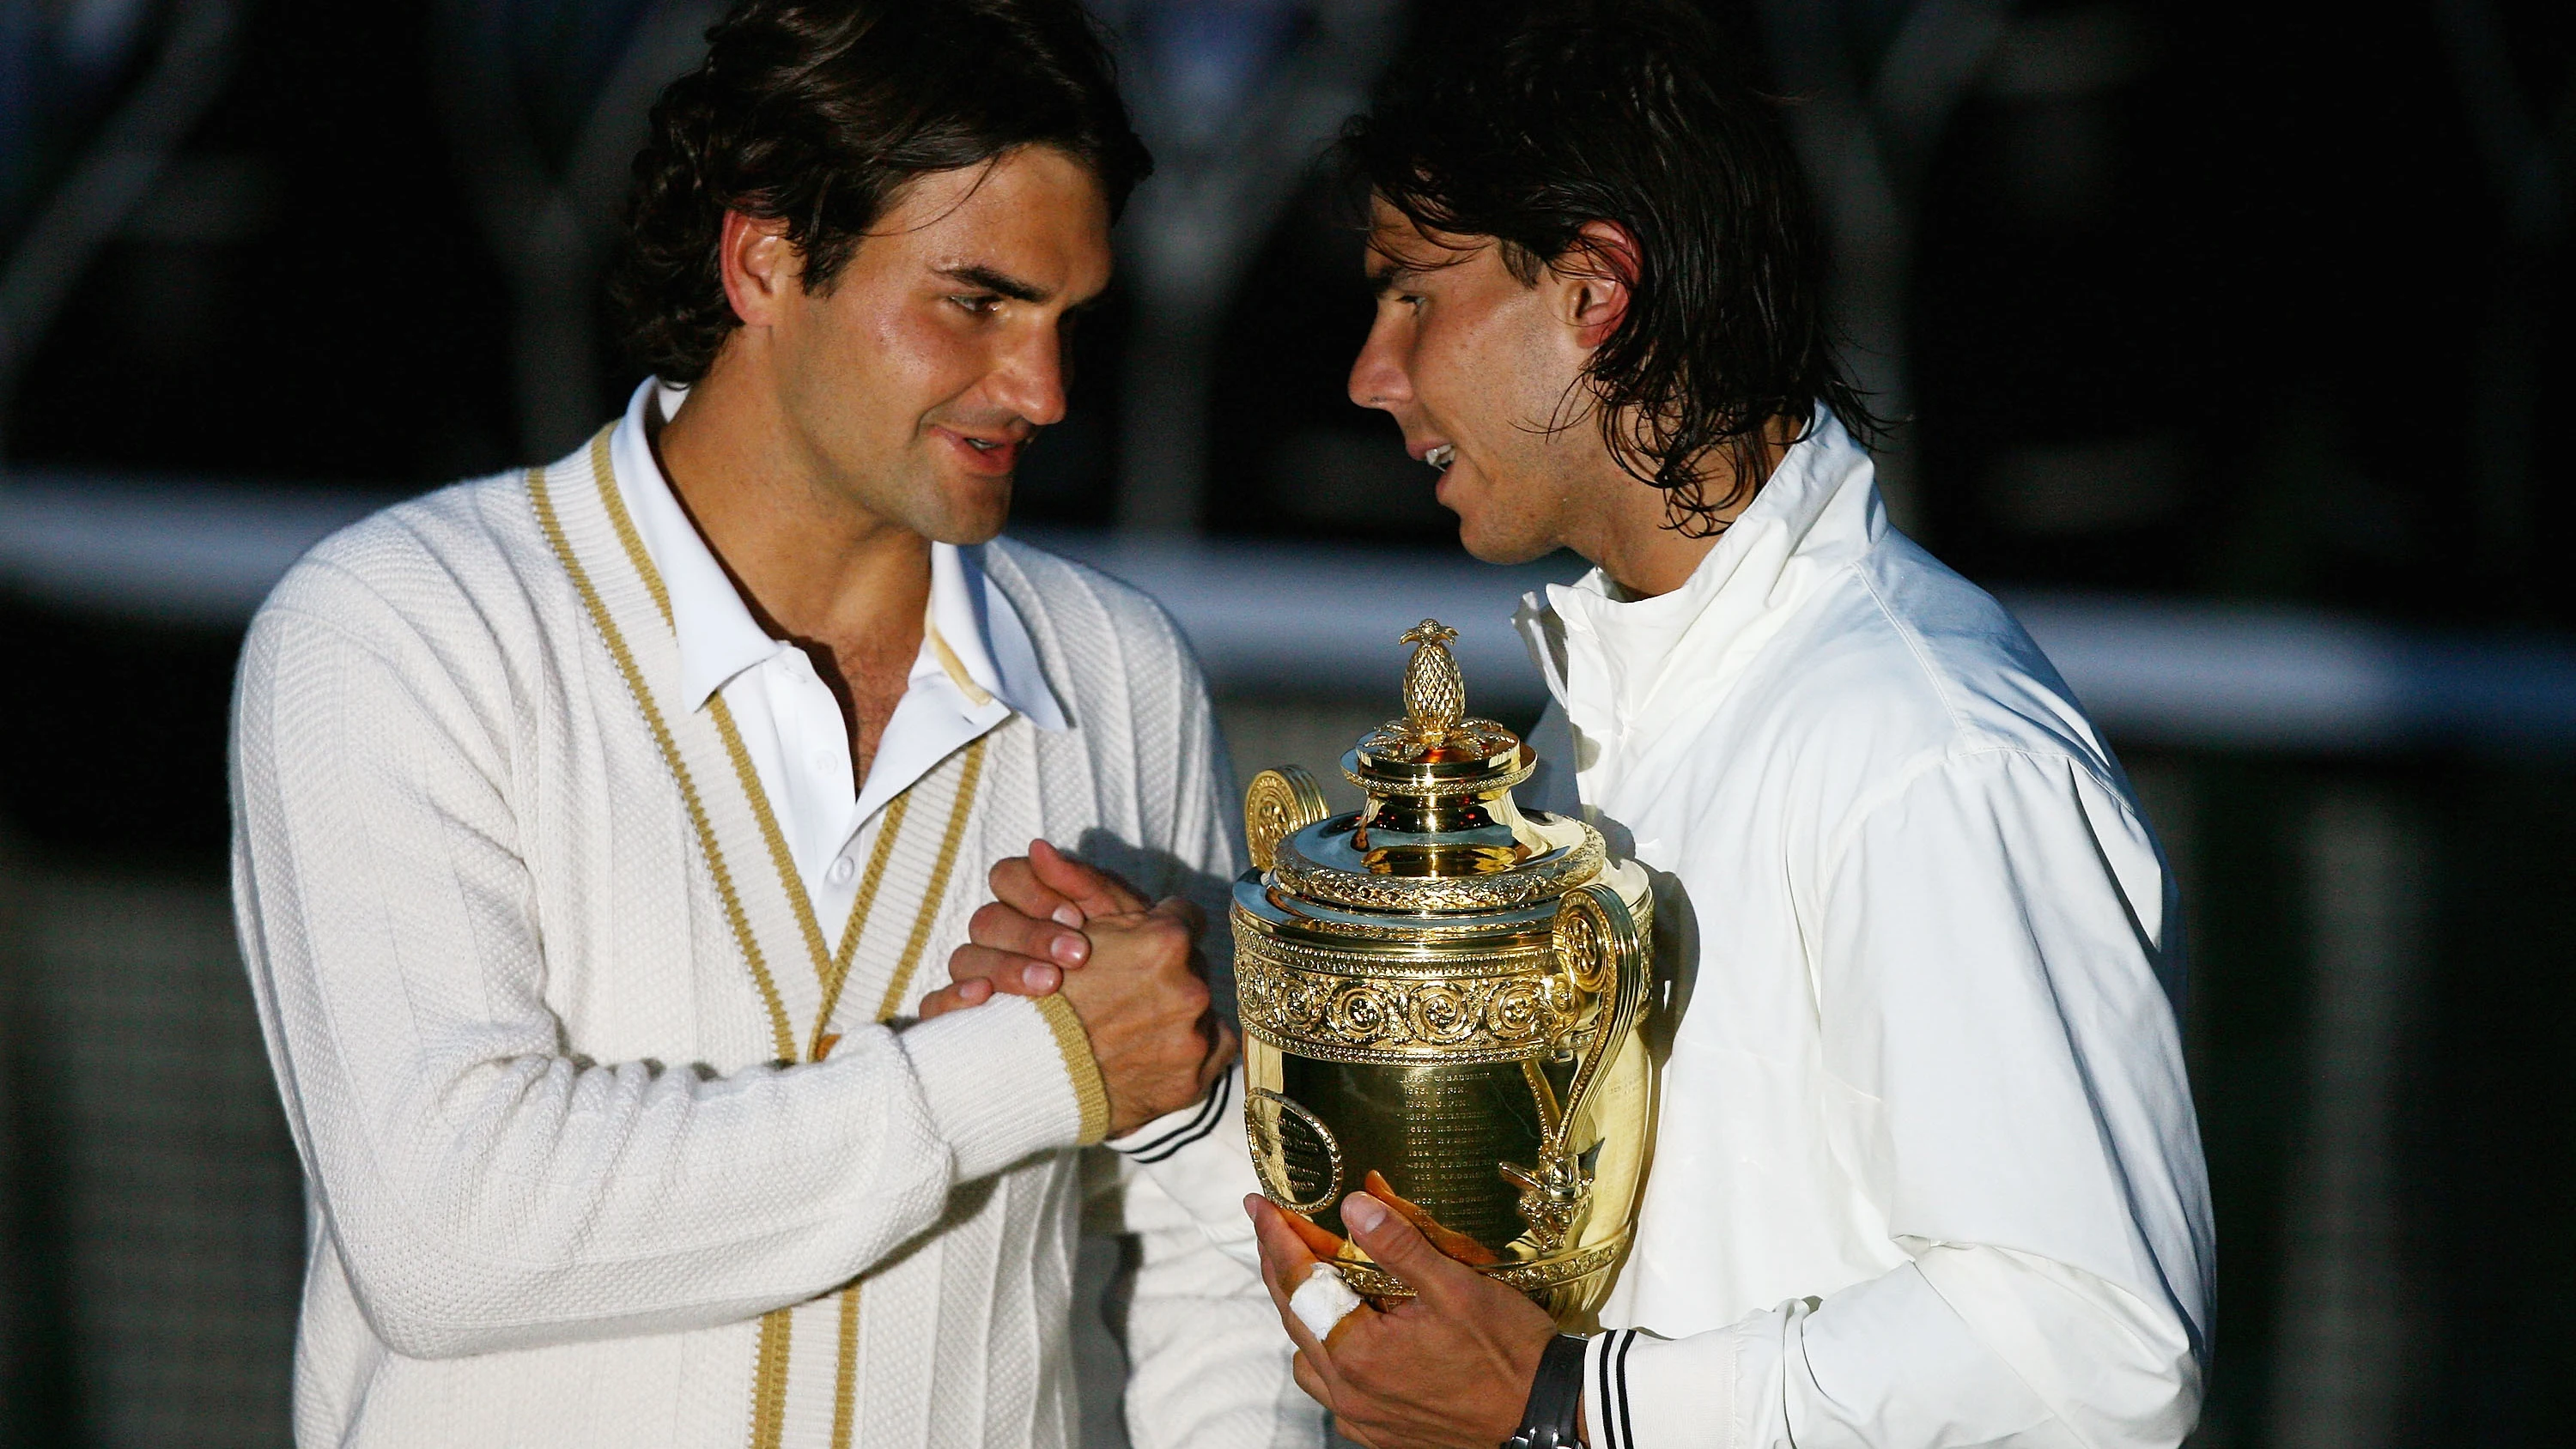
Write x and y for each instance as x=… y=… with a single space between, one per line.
x=1002 y=1083
x=1644 y=1392
x=1169 y=1133
x=1081 y=1068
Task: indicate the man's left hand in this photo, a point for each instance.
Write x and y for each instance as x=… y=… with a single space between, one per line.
x=1033 y=931
x=1450 y=1368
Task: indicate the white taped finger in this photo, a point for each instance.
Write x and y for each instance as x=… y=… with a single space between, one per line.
x=1322 y=1300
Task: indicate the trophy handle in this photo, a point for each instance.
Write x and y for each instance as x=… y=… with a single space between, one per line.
x=1277 y=804
x=1598 y=948
x=1602 y=955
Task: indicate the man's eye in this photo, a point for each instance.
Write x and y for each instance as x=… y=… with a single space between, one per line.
x=981 y=304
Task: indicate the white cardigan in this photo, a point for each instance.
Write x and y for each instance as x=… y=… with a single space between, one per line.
x=541 y=986
x=1926 y=1171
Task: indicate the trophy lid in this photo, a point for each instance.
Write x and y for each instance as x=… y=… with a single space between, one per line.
x=1436 y=750
x=1440 y=832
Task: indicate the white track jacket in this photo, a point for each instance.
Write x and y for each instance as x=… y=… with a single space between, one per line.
x=1926 y=1171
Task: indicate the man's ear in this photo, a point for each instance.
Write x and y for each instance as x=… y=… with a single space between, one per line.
x=759 y=266
x=1596 y=278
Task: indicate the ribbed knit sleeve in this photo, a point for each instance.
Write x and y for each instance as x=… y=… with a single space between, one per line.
x=486 y=1187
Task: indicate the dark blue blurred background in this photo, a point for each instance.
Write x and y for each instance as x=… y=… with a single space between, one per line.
x=2229 y=334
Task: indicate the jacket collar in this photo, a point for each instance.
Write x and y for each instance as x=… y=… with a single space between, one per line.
x=1622 y=666
x=973 y=641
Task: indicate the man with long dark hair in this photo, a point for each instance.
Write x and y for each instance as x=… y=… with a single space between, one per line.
x=1925 y=1170
x=594 y=822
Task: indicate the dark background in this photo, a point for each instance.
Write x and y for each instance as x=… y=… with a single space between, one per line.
x=2257 y=306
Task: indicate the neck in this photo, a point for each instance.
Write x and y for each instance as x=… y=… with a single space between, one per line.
x=812 y=564
x=1627 y=533
x=1630 y=542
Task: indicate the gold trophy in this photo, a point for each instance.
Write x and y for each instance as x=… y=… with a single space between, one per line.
x=1441 y=997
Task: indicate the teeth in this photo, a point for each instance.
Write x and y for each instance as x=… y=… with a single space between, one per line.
x=1440 y=457
x=982 y=445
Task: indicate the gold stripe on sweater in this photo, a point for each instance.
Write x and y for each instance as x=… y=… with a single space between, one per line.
x=769 y=1380
x=604 y=473
x=967 y=778
x=860 y=907
x=845 y=1376
x=779 y=859
x=782 y=1035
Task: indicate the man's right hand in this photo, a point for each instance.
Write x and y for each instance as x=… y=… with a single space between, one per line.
x=1132 y=974
x=1143 y=999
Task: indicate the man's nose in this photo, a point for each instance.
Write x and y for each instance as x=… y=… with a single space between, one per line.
x=1030 y=380
x=1378 y=379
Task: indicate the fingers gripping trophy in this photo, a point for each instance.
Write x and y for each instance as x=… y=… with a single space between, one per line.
x=1441 y=996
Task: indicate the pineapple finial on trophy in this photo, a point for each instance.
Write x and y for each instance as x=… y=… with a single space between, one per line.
x=1435 y=693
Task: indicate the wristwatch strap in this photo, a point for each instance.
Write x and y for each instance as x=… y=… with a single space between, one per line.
x=1552 y=1420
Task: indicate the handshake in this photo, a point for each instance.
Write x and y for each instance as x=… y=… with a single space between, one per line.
x=1129 y=969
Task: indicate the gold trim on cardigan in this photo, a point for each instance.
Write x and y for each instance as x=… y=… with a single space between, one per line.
x=968 y=776
x=845 y=1373
x=779 y=859
x=782 y=1034
x=769 y=1380
x=603 y=472
x=1089 y=1090
x=861 y=906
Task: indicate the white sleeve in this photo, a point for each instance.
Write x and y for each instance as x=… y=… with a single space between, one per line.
x=1209 y=1364
x=1200 y=1161
x=486 y=1187
x=1994 y=945
x=1932 y=1354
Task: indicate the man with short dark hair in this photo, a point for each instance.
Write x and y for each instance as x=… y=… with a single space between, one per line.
x=1925 y=1171
x=593 y=825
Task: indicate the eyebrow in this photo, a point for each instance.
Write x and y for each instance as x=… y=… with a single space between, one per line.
x=999 y=282
x=1386 y=279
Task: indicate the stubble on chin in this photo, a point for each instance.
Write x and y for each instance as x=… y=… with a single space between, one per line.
x=1495 y=532
x=968 y=521
x=957 y=508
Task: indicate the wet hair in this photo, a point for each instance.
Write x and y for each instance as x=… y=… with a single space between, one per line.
x=1522 y=128
x=818 y=113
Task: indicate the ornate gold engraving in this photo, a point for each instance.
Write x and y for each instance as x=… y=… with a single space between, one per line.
x=1276 y=805
x=1543 y=879
x=1366 y=767
x=1518 y=952
x=1378 y=1018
